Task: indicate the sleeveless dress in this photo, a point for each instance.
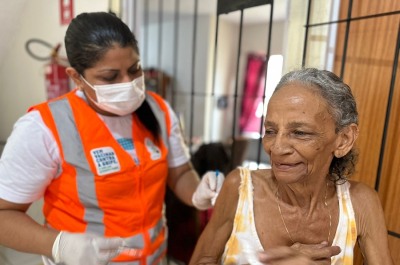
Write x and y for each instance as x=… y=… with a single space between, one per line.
x=244 y=229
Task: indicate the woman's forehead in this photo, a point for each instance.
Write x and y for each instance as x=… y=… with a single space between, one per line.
x=117 y=55
x=298 y=101
x=299 y=94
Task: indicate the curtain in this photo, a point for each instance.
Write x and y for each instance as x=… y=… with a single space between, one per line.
x=253 y=90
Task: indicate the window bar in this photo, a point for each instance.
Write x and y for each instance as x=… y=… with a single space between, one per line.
x=135 y=14
x=271 y=15
x=354 y=19
x=235 y=96
x=193 y=76
x=303 y=62
x=215 y=57
x=159 y=57
x=175 y=54
x=214 y=70
x=394 y=234
x=146 y=33
x=346 y=39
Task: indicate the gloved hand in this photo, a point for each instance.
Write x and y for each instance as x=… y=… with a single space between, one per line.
x=207 y=191
x=83 y=249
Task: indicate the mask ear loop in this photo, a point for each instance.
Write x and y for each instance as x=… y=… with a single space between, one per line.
x=86 y=82
x=86 y=94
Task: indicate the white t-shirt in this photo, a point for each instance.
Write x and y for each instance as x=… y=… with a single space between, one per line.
x=31 y=158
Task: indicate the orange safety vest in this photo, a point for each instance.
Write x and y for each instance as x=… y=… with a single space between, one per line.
x=101 y=189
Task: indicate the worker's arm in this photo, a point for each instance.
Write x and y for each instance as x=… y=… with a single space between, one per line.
x=20 y=232
x=183 y=181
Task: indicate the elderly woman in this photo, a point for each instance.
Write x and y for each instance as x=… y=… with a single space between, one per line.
x=300 y=209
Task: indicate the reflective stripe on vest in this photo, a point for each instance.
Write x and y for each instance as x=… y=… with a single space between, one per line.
x=156 y=258
x=158 y=254
x=137 y=241
x=134 y=250
x=75 y=155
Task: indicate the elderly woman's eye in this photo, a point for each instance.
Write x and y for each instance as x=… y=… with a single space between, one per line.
x=269 y=132
x=300 y=133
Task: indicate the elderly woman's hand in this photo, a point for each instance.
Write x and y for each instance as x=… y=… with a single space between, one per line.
x=321 y=253
x=284 y=256
x=299 y=254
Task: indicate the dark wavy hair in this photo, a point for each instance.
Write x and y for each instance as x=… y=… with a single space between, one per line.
x=89 y=36
x=342 y=107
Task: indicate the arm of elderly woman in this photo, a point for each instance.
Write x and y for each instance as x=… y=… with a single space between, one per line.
x=211 y=244
x=371 y=228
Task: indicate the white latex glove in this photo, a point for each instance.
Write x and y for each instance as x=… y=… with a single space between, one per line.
x=207 y=191
x=83 y=249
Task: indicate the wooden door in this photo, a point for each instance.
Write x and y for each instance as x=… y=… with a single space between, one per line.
x=369 y=61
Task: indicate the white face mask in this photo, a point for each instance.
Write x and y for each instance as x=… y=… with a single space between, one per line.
x=120 y=99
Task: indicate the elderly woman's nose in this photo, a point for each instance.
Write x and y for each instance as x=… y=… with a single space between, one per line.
x=280 y=144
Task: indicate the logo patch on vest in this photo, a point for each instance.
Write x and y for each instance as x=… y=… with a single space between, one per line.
x=155 y=152
x=106 y=160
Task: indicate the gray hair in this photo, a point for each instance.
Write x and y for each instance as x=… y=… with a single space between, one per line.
x=342 y=107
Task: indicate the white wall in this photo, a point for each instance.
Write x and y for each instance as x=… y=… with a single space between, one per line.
x=21 y=76
x=22 y=79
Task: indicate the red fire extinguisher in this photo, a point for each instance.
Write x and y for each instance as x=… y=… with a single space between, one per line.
x=57 y=81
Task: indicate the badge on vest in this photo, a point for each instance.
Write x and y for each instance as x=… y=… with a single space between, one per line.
x=155 y=152
x=106 y=160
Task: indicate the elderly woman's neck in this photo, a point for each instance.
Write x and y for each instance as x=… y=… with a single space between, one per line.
x=306 y=195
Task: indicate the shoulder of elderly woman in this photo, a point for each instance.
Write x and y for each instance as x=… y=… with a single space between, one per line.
x=371 y=224
x=366 y=204
x=234 y=178
x=363 y=197
x=226 y=203
x=232 y=181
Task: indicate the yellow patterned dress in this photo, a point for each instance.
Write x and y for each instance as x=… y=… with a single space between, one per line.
x=244 y=225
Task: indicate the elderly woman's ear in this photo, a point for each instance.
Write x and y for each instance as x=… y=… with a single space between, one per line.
x=345 y=141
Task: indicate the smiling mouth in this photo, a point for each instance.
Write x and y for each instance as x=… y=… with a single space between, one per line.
x=285 y=166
